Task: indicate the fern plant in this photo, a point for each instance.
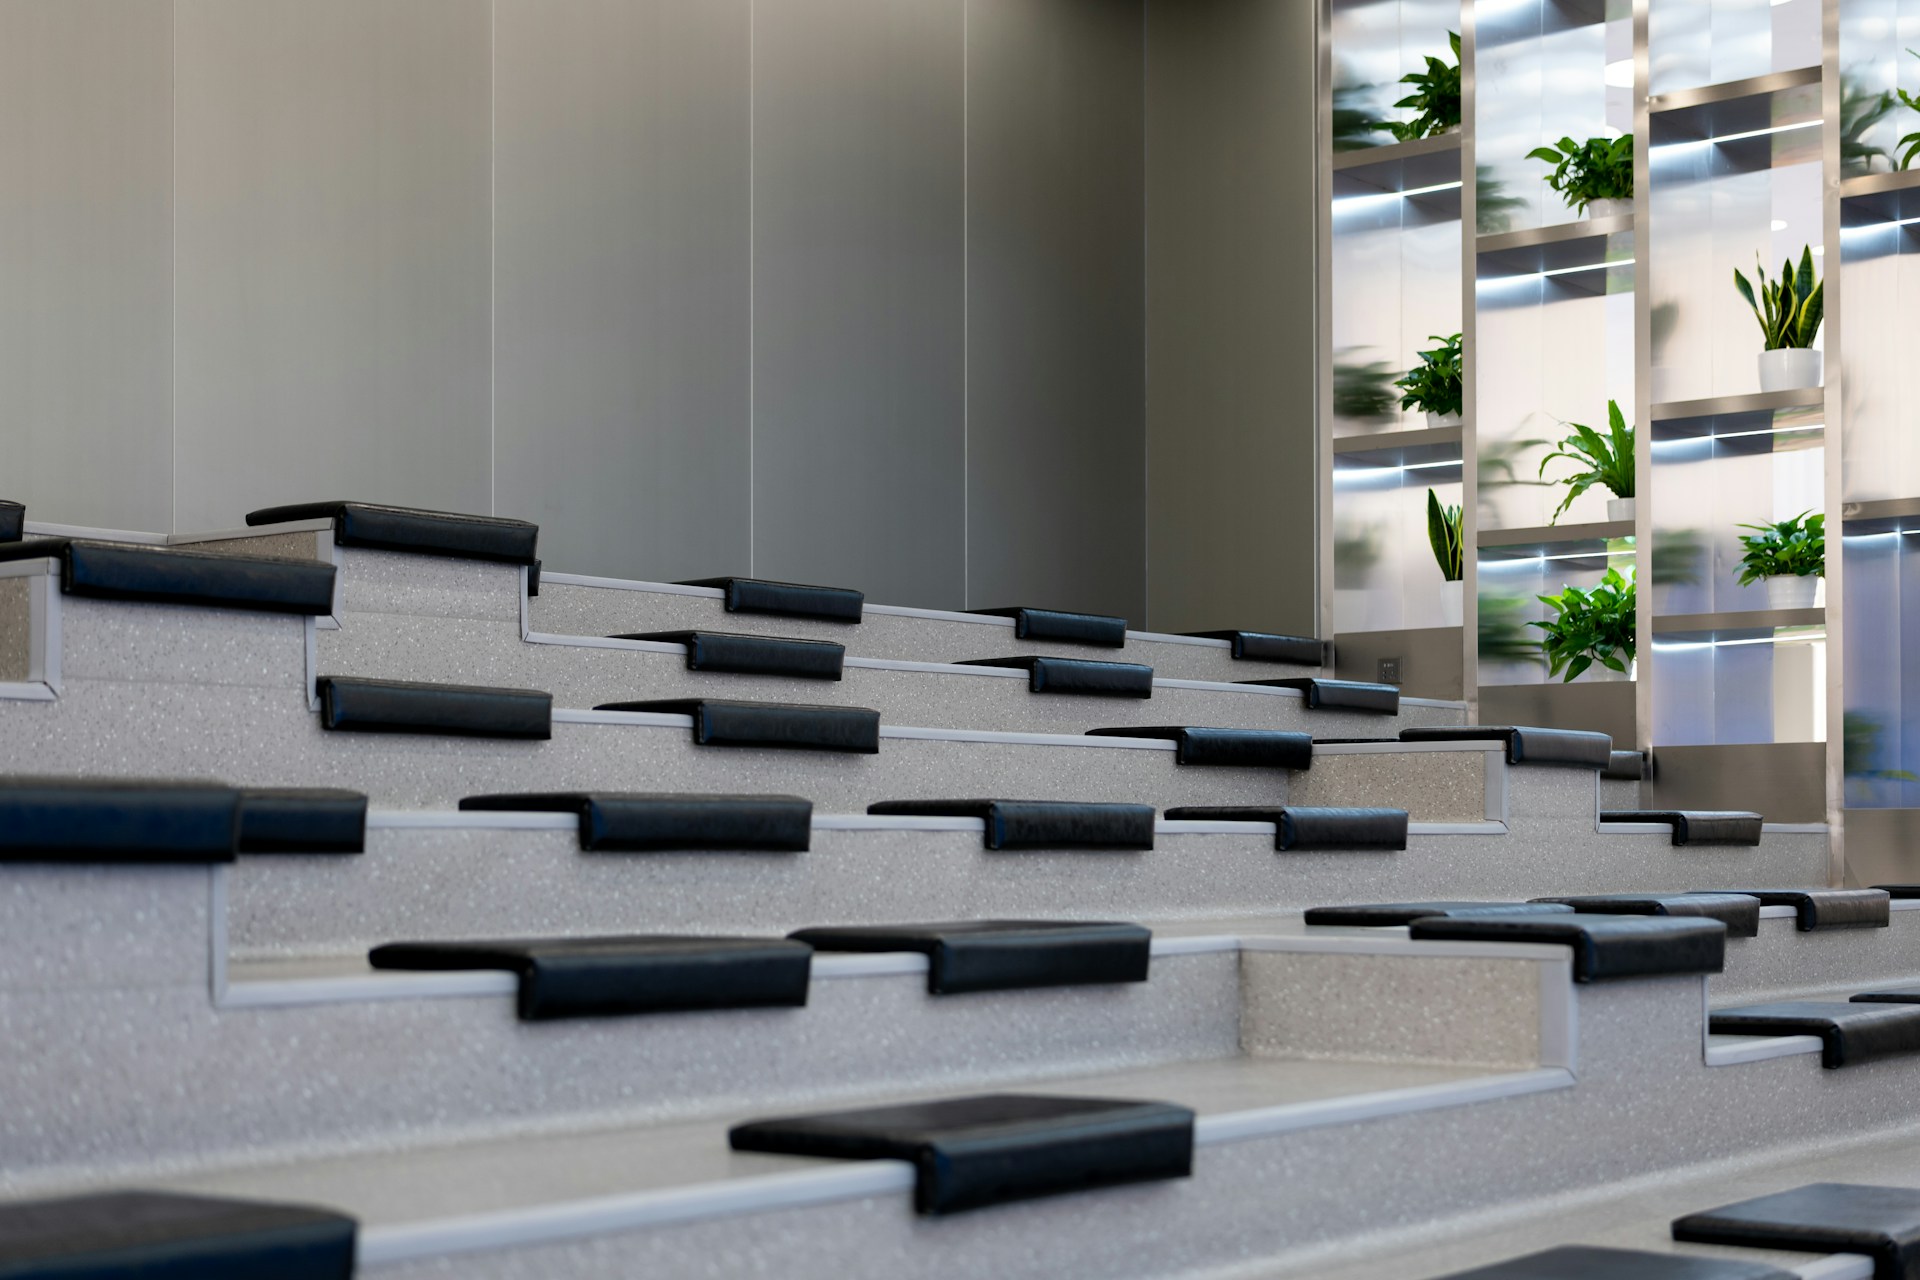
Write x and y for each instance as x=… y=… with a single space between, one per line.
x=1444 y=534
x=1597 y=169
x=1606 y=460
x=1437 y=384
x=1789 y=309
x=1795 y=548
x=1435 y=99
x=1589 y=627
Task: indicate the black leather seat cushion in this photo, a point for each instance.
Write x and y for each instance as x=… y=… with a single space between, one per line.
x=117 y=820
x=1341 y=695
x=176 y=575
x=640 y=973
x=302 y=820
x=1070 y=628
x=1889 y=995
x=1003 y=955
x=1241 y=748
x=1849 y=1033
x=1823 y=1217
x=1897 y=891
x=990 y=1149
x=428 y=533
x=1626 y=766
x=1826 y=908
x=1588 y=1262
x=1526 y=745
x=1379 y=915
x=453 y=710
x=1604 y=946
x=1740 y=912
x=1304 y=829
x=1040 y=824
x=13 y=521
x=1265 y=646
x=788 y=726
x=1077 y=675
x=651 y=822
x=787 y=599
x=162 y=1236
x=1697 y=826
x=754 y=655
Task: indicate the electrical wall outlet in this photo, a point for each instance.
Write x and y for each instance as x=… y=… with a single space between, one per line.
x=1389 y=671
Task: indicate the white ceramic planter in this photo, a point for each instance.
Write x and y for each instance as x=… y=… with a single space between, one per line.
x=1789 y=369
x=1444 y=419
x=1619 y=508
x=1793 y=592
x=1451 y=603
x=1609 y=208
x=1597 y=674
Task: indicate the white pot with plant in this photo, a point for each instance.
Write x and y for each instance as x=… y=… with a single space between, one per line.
x=1437 y=384
x=1605 y=460
x=1790 y=556
x=1789 y=310
x=1594 y=177
x=1591 y=630
x=1446 y=535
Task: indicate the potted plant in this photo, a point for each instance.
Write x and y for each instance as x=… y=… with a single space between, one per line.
x=1436 y=384
x=1790 y=556
x=1590 y=627
x=1445 y=535
x=1606 y=461
x=1595 y=176
x=1789 y=310
x=1435 y=99
x=1909 y=144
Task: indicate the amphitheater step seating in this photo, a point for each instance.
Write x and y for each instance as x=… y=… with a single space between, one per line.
x=1740 y=912
x=754 y=655
x=1586 y=1262
x=386 y=528
x=1094 y=629
x=1251 y=748
x=1692 y=827
x=1305 y=829
x=1002 y=955
x=638 y=822
x=1038 y=824
x=1882 y=1223
x=1524 y=745
x=402 y=706
x=1826 y=908
x=1349 y=695
x=148 y=1234
x=1849 y=1032
x=1604 y=946
x=175 y=575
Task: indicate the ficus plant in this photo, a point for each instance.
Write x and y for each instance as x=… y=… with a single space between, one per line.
x=1437 y=384
x=1435 y=99
x=1789 y=309
x=1604 y=460
x=1795 y=548
x=1445 y=533
x=1590 y=627
x=1597 y=169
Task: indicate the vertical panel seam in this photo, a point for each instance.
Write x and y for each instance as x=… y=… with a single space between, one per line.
x=493 y=257
x=966 y=304
x=753 y=319
x=1146 y=312
x=173 y=266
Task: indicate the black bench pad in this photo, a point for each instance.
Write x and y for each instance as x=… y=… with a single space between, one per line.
x=1625 y=766
x=1696 y=826
x=787 y=599
x=754 y=655
x=1898 y=891
x=1265 y=646
x=162 y=1236
x=429 y=533
x=1893 y=995
x=1077 y=675
x=654 y=822
x=1849 y=1033
x=456 y=710
x=176 y=575
x=640 y=973
x=1341 y=695
x=1040 y=824
x=302 y=820
x=1589 y=1262
x=1826 y=908
x=1071 y=628
x=1604 y=946
x=117 y=820
x=1303 y=829
x=790 y=726
x=1740 y=912
x=1381 y=915
x=13 y=521
x=1243 y=748
x=1822 y=1217
x=1003 y=955
x=990 y=1149
x=1526 y=745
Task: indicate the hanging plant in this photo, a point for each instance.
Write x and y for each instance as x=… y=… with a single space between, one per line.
x=1590 y=627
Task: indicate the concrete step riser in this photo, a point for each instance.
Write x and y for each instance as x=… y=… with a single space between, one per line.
x=1783 y=963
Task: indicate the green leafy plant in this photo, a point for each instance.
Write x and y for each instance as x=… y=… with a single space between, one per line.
x=1861 y=744
x=1909 y=144
x=1589 y=627
x=1597 y=169
x=1606 y=460
x=1504 y=636
x=1444 y=534
x=1437 y=384
x=1789 y=309
x=1795 y=548
x=1363 y=392
x=1435 y=99
x=1860 y=110
x=1493 y=208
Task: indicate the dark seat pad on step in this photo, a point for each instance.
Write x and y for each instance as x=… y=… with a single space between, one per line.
x=117 y=820
x=405 y=706
x=789 y=726
x=1849 y=1033
x=1040 y=824
x=990 y=1149
x=302 y=820
x=1603 y=946
x=1340 y=695
x=173 y=1237
x=177 y=575
x=1821 y=1217
x=1740 y=912
x=1003 y=955
x=1587 y=1262
x=430 y=533
x=754 y=655
x=1071 y=628
x=787 y=599
x=655 y=822
x=1266 y=646
x=1898 y=891
x=640 y=973
x=1303 y=829
x=1826 y=908
x=1077 y=675
x=1244 y=748
x=1889 y=995
x=1625 y=766
x=1371 y=915
x=1526 y=745
x=13 y=521
x=1697 y=826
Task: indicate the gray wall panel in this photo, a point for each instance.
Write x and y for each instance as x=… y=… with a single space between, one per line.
x=858 y=295
x=332 y=253
x=1056 y=346
x=622 y=289
x=86 y=260
x=1230 y=316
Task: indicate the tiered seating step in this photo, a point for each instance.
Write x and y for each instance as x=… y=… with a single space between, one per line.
x=1826 y=908
x=1307 y=829
x=787 y=599
x=1881 y=1222
x=153 y=1234
x=1849 y=1033
x=1604 y=946
x=412 y=529
x=1740 y=912
x=1388 y=915
x=176 y=575
x=754 y=655
x=1071 y=628
x=302 y=820
x=654 y=822
x=117 y=820
x=1242 y=748
x=1526 y=745
x=1076 y=675
x=1346 y=695
x=1040 y=824
x=1003 y=955
x=718 y=722
x=1695 y=826
x=1625 y=766
x=456 y=710
x=1586 y=1262
x=1266 y=646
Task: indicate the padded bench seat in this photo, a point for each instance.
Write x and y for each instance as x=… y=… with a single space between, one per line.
x=657 y=822
x=1003 y=955
x=165 y=1235
x=1849 y=1032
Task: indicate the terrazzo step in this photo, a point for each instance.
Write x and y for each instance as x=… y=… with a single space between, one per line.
x=414 y=530
x=1527 y=745
x=1691 y=826
x=1850 y=1033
